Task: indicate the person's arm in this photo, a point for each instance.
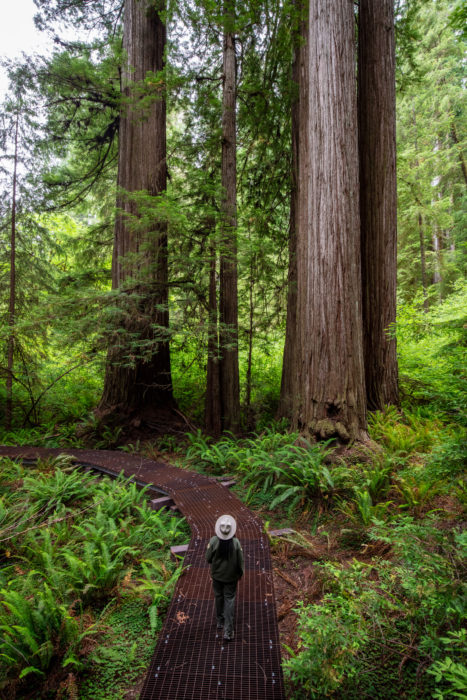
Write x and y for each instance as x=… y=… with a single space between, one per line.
x=210 y=550
x=240 y=560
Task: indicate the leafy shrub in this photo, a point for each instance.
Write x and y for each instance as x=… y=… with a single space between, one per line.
x=160 y=589
x=65 y=485
x=377 y=476
x=293 y=468
x=416 y=491
x=361 y=510
x=35 y=630
x=10 y=471
x=432 y=351
x=333 y=632
x=296 y=472
x=330 y=636
x=303 y=477
x=451 y=676
x=405 y=606
x=95 y=572
x=87 y=560
x=75 y=555
x=448 y=459
x=402 y=435
x=156 y=527
x=119 y=497
x=22 y=436
x=212 y=457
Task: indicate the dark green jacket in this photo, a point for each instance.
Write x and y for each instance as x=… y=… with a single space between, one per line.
x=225 y=570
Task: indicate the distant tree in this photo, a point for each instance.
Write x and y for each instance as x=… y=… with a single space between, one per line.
x=138 y=380
x=228 y=307
x=25 y=244
x=289 y=374
x=458 y=18
x=213 y=405
x=431 y=157
x=79 y=85
x=262 y=56
x=12 y=294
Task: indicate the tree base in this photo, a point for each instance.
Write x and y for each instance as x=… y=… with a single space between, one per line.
x=148 y=423
x=335 y=431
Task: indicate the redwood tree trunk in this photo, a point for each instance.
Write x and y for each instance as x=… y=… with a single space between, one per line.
x=12 y=300
x=378 y=198
x=213 y=410
x=138 y=378
x=423 y=262
x=251 y=314
x=437 y=244
x=228 y=307
x=288 y=388
x=329 y=354
x=455 y=138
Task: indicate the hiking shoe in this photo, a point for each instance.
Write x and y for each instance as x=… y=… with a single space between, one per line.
x=228 y=636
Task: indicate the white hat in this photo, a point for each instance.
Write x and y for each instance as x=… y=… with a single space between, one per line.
x=225 y=527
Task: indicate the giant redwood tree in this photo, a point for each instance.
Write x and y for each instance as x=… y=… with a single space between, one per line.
x=222 y=404
x=329 y=386
x=377 y=146
x=12 y=295
x=228 y=306
x=289 y=375
x=138 y=378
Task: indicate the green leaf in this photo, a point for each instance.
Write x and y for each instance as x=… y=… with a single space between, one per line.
x=30 y=669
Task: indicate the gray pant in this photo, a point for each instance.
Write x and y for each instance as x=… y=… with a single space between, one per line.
x=224 y=594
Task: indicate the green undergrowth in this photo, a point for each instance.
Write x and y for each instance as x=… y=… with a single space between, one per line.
x=389 y=622
x=66 y=433
x=271 y=468
x=412 y=459
x=432 y=354
x=49 y=405
x=387 y=627
x=123 y=655
x=85 y=576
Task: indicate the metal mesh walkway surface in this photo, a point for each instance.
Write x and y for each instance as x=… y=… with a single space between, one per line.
x=191 y=661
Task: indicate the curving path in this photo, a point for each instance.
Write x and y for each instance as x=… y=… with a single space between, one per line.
x=191 y=661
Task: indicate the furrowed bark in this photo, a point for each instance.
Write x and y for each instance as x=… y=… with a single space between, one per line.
x=228 y=306
x=330 y=373
x=288 y=380
x=12 y=299
x=213 y=410
x=378 y=198
x=138 y=377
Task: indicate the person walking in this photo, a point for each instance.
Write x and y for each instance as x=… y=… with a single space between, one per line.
x=225 y=555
